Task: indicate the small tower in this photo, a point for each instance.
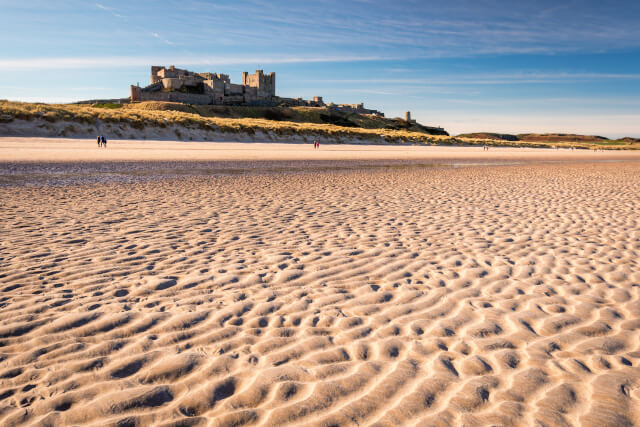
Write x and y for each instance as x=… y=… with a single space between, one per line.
x=407 y=116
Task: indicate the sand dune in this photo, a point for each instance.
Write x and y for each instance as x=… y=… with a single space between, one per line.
x=503 y=295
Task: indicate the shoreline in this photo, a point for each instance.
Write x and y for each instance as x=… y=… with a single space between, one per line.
x=54 y=161
x=14 y=149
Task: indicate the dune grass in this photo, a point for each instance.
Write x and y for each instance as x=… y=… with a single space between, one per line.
x=594 y=141
x=143 y=115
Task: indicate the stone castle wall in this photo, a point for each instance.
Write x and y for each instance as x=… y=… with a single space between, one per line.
x=137 y=95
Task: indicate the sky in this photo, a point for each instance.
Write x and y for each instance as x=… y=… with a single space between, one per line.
x=483 y=65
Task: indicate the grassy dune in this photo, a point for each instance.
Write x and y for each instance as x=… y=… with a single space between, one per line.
x=558 y=139
x=163 y=115
x=317 y=115
x=281 y=123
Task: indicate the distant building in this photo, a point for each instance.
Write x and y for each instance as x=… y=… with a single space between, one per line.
x=355 y=108
x=407 y=117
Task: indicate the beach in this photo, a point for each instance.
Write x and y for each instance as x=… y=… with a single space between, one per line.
x=168 y=283
x=15 y=149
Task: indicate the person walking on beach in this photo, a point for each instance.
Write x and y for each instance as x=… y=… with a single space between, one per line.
x=99 y=141
x=104 y=141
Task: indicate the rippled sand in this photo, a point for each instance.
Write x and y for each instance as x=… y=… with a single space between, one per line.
x=502 y=295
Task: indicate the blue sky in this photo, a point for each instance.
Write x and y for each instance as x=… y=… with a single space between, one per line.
x=505 y=66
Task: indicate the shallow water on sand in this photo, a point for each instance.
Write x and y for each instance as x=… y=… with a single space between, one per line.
x=38 y=173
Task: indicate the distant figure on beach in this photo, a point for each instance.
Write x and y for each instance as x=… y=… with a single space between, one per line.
x=485 y=148
x=104 y=141
x=99 y=141
x=316 y=144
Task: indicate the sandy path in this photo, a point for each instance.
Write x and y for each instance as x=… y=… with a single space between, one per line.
x=15 y=149
x=476 y=296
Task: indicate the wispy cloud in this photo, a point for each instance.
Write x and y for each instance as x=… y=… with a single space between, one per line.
x=45 y=99
x=128 y=61
x=490 y=79
x=159 y=37
x=460 y=28
x=111 y=10
x=370 y=91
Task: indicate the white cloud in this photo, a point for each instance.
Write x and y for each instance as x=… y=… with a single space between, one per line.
x=43 y=99
x=455 y=29
x=128 y=61
x=491 y=79
x=159 y=37
x=111 y=10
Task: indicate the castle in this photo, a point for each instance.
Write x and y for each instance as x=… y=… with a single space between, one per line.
x=176 y=85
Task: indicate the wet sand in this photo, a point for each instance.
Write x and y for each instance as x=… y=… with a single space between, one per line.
x=13 y=149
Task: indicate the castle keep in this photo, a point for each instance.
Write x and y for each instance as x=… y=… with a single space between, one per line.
x=176 y=85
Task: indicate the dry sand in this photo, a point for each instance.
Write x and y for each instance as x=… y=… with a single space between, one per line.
x=483 y=295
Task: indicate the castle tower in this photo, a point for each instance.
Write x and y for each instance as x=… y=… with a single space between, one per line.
x=136 y=94
x=265 y=84
x=271 y=79
x=407 y=116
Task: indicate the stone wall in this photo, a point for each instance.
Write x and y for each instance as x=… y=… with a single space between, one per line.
x=137 y=95
x=354 y=108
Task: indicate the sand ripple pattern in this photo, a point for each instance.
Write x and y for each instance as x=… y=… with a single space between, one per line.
x=478 y=296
